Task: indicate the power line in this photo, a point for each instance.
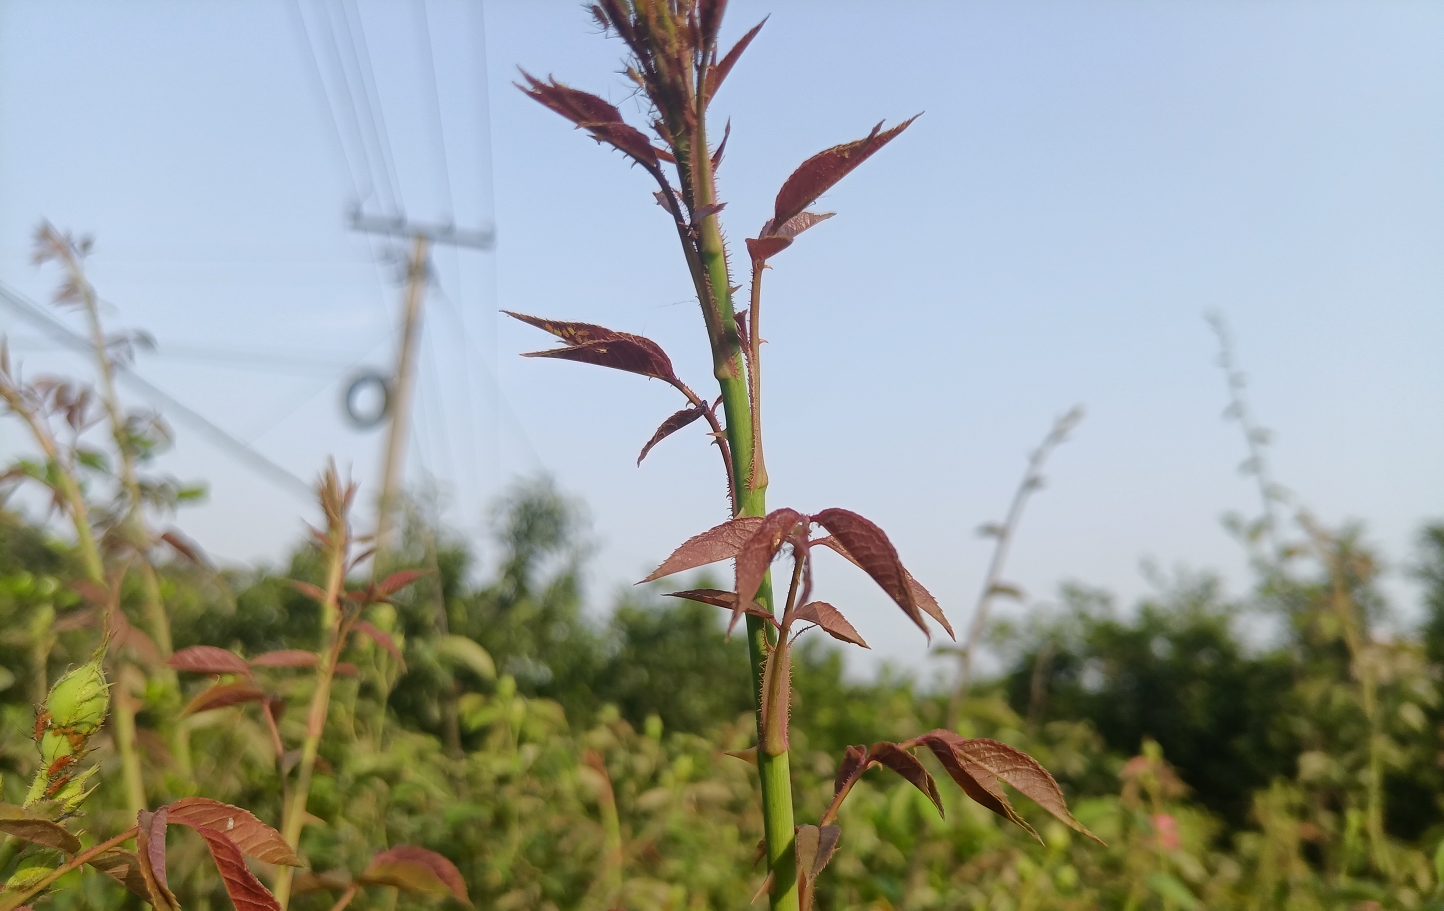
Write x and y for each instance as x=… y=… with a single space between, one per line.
x=319 y=82
x=427 y=52
x=375 y=111
x=338 y=62
x=32 y=311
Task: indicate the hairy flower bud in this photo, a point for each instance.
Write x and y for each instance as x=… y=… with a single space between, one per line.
x=80 y=700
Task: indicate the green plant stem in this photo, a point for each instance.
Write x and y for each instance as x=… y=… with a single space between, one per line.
x=295 y=815
x=123 y=719
x=15 y=900
x=750 y=499
x=69 y=486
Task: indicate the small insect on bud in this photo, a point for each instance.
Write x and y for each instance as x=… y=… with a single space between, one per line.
x=80 y=700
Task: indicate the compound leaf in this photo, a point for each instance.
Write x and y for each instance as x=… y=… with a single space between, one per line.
x=756 y=554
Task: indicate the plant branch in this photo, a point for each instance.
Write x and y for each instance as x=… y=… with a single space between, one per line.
x=15 y=900
x=335 y=628
x=1032 y=480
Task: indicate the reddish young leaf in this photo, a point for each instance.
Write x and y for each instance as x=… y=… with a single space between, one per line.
x=76 y=619
x=207 y=659
x=397 y=581
x=253 y=837
x=575 y=105
x=907 y=765
x=124 y=867
x=720 y=543
x=819 y=173
x=632 y=354
x=593 y=114
x=286 y=657
x=346 y=669
x=223 y=695
x=724 y=600
x=309 y=590
x=756 y=555
x=831 y=620
x=184 y=546
x=740 y=318
x=854 y=763
x=796 y=224
x=716 y=74
x=150 y=849
x=245 y=891
x=1024 y=773
x=571 y=333
x=670 y=426
x=977 y=782
x=625 y=138
x=90 y=591
x=815 y=847
x=721 y=146
x=27 y=826
x=761 y=249
x=868 y=547
x=415 y=869
x=381 y=638
x=702 y=212
x=922 y=596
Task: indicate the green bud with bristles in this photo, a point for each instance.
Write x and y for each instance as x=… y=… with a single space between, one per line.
x=72 y=714
x=79 y=701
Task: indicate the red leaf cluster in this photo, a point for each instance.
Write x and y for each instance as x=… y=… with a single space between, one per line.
x=755 y=541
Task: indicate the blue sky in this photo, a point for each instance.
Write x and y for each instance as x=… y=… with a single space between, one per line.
x=1087 y=179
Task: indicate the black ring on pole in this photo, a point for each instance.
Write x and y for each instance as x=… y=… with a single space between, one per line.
x=359 y=383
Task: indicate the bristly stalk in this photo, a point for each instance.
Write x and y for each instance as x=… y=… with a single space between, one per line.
x=335 y=501
x=750 y=495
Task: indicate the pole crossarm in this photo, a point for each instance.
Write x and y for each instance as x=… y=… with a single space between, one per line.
x=397 y=226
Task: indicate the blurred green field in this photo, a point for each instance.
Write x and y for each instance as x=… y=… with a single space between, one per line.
x=567 y=764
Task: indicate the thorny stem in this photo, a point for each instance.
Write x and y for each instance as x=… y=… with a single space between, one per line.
x=15 y=900
x=750 y=500
x=124 y=721
x=295 y=816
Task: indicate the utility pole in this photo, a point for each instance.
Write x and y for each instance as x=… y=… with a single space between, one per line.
x=403 y=380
